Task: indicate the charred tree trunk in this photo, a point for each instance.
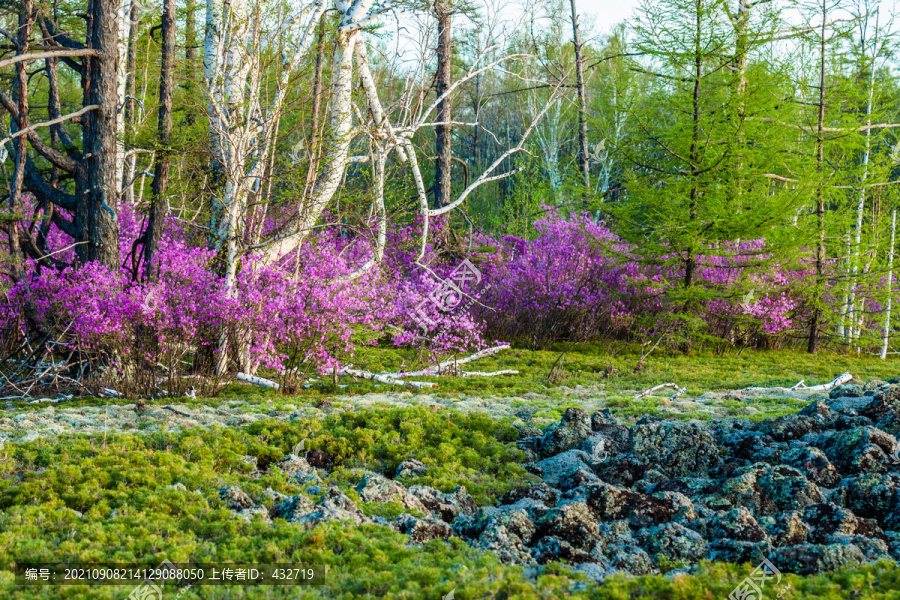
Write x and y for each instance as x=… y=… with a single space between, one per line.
x=157 y=216
x=444 y=132
x=95 y=218
x=582 y=105
x=26 y=12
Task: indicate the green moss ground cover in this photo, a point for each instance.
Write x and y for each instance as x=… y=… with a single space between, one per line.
x=95 y=499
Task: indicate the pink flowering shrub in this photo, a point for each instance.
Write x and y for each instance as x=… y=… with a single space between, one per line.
x=573 y=280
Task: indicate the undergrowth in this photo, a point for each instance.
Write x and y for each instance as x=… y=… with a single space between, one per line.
x=81 y=499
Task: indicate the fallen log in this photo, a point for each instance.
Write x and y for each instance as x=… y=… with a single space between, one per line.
x=436 y=369
x=387 y=378
x=258 y=380
x=824 y=387
x=678 y=390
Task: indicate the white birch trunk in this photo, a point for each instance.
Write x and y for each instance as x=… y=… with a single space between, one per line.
x=856 y=320
x=890 y=280
x=124 y=25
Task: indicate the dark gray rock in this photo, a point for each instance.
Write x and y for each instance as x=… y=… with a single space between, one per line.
x=235 y=498
x=444 y=506
x=540 y=492
x=569 y=433
x=573 y=522
x=376 y=488
x=292 y=508
x=333 y=506
x=673 y=541
x=766 y=489
x=874 y=496
x=860 y=450
x=422 y=530
x=676 y=449
x=806 y=559
x=411 y=468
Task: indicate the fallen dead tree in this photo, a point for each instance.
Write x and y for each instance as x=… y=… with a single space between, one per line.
x=447 y=367
x=824 y=387
x=678 y=390
x=454 y=363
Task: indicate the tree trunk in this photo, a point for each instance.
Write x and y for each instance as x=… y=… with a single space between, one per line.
x=890 y=280
x=582 y=106
x=314 y=149
x=26 y=13
x=95 y=218
x=157 y=217
x=690 y=263
x=861 y=201
x=443 y=133
x=129 y=105
x=124 y=25
x=813 y=342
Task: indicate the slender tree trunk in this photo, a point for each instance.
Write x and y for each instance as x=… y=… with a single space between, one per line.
x=582 y=106
x=314 y=149
x=690 y=263
x=190 y=36
x=890 y=280
x=813 y=342
x=124 y=25
x=26 y=13
x=158 y=210
x=861 y=202
x=130 y=106
x=443 y=133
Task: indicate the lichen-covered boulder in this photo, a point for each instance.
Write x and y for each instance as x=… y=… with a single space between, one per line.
x=540 y=492
x=787 y=529
x=577 y=478
x=874 y=496
x=235 y=498
x=736 y=524
x=376 y=488
x=807 y=559
x=790 y=427
x=613 y=503
x=766 y=489
x=847 y=390
x=573 y=522
x=411 y=468
x=293 y=464
x=551 y=548
x=739 y=551
x=444 y=506
x=813 y=463
x=673 y=541
x=506 y=544
x=828 y=520
x=676 y=449
x=554 y=468
x=859 y=450
x=333 y=506
x=634 y=561
x=471 y=526
x=570 y=432
x=291 y=508
x=422 y=530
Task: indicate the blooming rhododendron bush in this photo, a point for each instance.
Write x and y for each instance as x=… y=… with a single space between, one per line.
x=573 y=279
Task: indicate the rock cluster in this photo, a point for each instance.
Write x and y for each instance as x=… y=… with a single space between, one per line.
x=811 y=492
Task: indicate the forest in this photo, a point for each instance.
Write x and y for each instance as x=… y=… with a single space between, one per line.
x=251 y=252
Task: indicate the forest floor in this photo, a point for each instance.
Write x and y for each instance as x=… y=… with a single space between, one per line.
x=105 y=480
